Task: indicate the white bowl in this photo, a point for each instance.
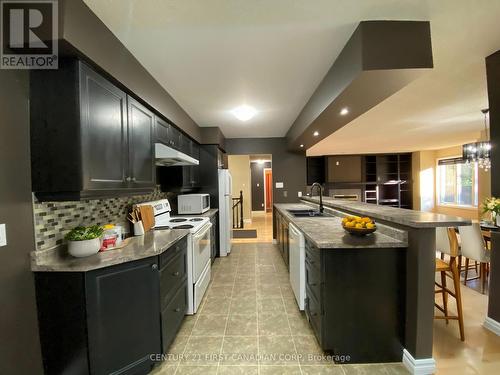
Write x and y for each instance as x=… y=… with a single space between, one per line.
x=84 y=248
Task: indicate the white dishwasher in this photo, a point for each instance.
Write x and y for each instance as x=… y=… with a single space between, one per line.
x=297 y=264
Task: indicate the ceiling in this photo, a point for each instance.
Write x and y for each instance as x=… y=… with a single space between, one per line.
x=212 y=56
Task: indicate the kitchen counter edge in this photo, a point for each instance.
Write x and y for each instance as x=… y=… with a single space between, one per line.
x=151 y=244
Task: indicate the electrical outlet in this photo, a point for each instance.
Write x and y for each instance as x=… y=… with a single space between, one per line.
x=3 y=235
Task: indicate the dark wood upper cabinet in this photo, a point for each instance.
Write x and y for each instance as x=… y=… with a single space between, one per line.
x=88 y=137
x=140 y=139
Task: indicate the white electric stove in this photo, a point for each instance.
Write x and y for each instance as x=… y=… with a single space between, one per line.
x=198 y=252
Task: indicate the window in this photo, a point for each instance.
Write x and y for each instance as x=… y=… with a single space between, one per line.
x=457 y=183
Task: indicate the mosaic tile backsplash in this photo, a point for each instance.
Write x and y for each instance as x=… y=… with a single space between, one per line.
x=54 y=219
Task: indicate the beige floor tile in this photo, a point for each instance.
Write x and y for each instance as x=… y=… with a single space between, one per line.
x=268 y=290
x=273 y=324
x=202 y=350
x=216 y=305
x=242 y=325
x=271 y=304
x=299 y=325
x=219 y=292
x=309 y=351
x=187 y=325
x=196 y=370
x=238 y=370
x=243 y=305
x=178 y=345
x=238 y=350
x=277 y=350
x=322 y=370
x=210 y=325
x=279 y=370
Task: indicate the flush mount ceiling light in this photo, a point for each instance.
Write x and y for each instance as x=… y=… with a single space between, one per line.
x=301 y=146
x=244 y=112
x=344 y=111
x=316 y=133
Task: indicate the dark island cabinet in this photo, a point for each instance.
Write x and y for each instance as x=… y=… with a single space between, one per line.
x=215 y=250
x=357 y=315
x=282 y=233
x=100 y=322
x=88 y=137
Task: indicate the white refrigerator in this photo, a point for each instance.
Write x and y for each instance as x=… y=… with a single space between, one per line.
x=225 y=212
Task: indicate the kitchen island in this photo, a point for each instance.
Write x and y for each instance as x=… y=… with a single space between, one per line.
x=369 y=299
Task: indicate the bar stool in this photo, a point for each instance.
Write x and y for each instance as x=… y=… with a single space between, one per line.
x=474 y=248
x=452 y=267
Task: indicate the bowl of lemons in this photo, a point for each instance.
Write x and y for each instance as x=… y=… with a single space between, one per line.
x=358 y=226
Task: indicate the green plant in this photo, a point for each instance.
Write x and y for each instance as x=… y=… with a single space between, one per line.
x=84 y=233
x=491 y=205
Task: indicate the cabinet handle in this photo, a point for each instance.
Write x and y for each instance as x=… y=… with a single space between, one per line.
x=128 y=179
x=154 y=267
x=176 y=273
x=177 y=309
x=134 y=179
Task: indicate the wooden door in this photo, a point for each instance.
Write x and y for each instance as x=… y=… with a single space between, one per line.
x=268 y=189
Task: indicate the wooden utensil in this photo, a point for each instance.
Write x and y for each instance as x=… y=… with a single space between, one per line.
x=147 y=217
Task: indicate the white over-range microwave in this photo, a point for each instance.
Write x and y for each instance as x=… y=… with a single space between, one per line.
x=193 y=204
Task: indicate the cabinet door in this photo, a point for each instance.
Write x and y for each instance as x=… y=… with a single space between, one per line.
x=162 y=130
x=185 y=144
x=103 y=111
x=140 y=135
x=123 y=312
x=195 y=151
x=174 y=137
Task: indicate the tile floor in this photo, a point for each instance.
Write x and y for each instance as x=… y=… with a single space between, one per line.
x=249 y=323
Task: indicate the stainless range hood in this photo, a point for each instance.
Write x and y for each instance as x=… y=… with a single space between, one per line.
x=169 y=157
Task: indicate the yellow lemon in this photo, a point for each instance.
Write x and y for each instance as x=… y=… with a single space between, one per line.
x=349 y=224
x=359 y=226
x=370 y=225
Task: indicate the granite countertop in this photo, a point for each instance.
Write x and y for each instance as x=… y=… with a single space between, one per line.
x=410 y=218
x=152 y=243
x=326 y=232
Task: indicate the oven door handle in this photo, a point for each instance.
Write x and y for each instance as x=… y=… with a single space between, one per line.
x=207 y=228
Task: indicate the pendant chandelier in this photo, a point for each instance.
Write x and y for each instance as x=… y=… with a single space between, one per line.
x=479 y=151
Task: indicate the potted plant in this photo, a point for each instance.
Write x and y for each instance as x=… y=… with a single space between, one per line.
x=84 y=241
x=492 y=205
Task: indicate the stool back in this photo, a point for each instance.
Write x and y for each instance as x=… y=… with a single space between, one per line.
x=442 y=240
x=453 y=241
x=473 y=246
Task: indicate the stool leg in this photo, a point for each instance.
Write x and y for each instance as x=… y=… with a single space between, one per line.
x=466 y=270
x=445 y=294
x=482 y=277
x=456 y=284
x=475 y=266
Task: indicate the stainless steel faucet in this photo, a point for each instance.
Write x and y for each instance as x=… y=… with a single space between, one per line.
x=317 y=184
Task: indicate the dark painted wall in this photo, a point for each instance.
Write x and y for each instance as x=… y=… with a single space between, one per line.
x=80 y=27
x=257 y=181
x=493 y=73
x=288 y=167
x=19 y=341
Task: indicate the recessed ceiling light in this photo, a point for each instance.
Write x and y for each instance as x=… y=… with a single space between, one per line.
x=316 y=133
x=244 y=112
x=301 y=145
x=344 y=111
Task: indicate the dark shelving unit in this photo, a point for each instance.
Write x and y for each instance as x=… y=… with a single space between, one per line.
x=388 y=180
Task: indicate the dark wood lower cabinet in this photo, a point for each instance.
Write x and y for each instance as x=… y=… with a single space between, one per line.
x=281 y=225
x=355 y=302
x=112 y=320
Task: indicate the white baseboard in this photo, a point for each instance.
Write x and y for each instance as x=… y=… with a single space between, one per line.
x=425 y=366
x=492 y=325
